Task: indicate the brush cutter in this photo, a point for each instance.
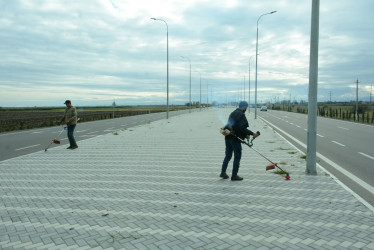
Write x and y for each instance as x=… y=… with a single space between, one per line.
x=55 y=141
x=250 y=144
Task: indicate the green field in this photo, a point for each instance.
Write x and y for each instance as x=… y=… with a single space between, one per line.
x=12 y=119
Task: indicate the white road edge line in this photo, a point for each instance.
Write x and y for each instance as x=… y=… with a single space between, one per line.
x=27 y=147
x=320 y=135
x=360 y=182
x=366 y=155
x=338 y=143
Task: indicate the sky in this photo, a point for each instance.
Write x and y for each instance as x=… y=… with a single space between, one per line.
x=96 y=52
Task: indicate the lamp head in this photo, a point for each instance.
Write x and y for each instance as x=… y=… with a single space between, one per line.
x=273 y=12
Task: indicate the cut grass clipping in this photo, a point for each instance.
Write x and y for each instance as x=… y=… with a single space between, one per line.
x=281 y=172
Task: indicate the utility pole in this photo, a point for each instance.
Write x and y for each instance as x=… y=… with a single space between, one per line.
x=330 y=95
x=371 y=91
x=312 y=95
x=356 y=117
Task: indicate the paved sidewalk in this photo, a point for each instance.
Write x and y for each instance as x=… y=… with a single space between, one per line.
x=156 y=186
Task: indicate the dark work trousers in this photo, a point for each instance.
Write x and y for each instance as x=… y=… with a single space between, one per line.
x=236 y=147
x=71 y=135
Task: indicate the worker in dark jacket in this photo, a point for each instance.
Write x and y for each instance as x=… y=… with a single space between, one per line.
x=237 y=124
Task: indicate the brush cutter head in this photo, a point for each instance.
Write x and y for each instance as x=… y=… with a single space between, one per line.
x=55 y=141
x=270 y=166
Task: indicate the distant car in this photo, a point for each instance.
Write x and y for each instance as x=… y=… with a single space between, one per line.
x=264 y=108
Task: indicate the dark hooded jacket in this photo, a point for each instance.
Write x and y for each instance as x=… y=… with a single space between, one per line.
x=238 y=125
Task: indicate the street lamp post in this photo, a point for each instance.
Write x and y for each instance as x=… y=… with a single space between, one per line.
x=185 y=57
x=200 y=88
x=249 y=84
x=207 y=93
x=167 y=65
x=256 y=60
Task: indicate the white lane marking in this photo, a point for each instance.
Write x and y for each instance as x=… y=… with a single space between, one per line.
x=93 y=132
x=366 y=155
x=80 y=131
x=338 y=143
x=351 y=176
x=320 y=135
x=305 y=129
x=343 y=128
x=298 y=126
x=37 y=132
x=27 y=147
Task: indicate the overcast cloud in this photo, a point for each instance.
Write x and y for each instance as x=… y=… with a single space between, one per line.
x=95 y=52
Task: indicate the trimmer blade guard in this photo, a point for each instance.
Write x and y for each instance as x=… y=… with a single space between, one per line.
x=56 y=141
x=270 y=166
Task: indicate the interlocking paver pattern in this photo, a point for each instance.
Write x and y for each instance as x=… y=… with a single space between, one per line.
x=156 y=186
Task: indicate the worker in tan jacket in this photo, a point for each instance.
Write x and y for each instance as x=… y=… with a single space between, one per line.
x=70 y=119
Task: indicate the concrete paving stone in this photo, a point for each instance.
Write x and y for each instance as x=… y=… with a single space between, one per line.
x=83 y=189
x=47 y=239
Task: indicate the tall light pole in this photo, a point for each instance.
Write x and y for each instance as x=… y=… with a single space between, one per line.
x=167 y=65
x=312 y=95
x=356 y=115
x=249 y=84
x=256 y=60
x=185 y=57
x=200 y=88
x=207 y=93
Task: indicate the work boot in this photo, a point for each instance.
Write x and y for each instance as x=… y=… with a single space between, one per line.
x=73 y=147
x=68 y=147
x=224 y=175
x=236 y=178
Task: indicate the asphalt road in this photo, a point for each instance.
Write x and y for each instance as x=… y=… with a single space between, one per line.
x=345 y=149
x=20 y=143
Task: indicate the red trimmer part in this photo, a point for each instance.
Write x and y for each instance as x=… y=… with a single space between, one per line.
x=271 y=166
x=56 y=141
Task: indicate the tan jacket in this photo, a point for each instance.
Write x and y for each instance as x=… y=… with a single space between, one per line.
x=70 y=115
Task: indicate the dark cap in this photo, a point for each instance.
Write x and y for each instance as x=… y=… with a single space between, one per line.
x=243 y=104
x=67 y=101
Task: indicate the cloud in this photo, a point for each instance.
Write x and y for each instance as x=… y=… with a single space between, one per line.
x=99 y=51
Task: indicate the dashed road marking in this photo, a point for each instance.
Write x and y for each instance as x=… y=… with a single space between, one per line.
x=32 y=146
x=366 y=155
x=338 y=143
x=93 y=132
x=320 y=135
x=343 y=128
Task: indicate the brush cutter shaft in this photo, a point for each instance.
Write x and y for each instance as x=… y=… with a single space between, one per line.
x=264 y=156
x=55 y=140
